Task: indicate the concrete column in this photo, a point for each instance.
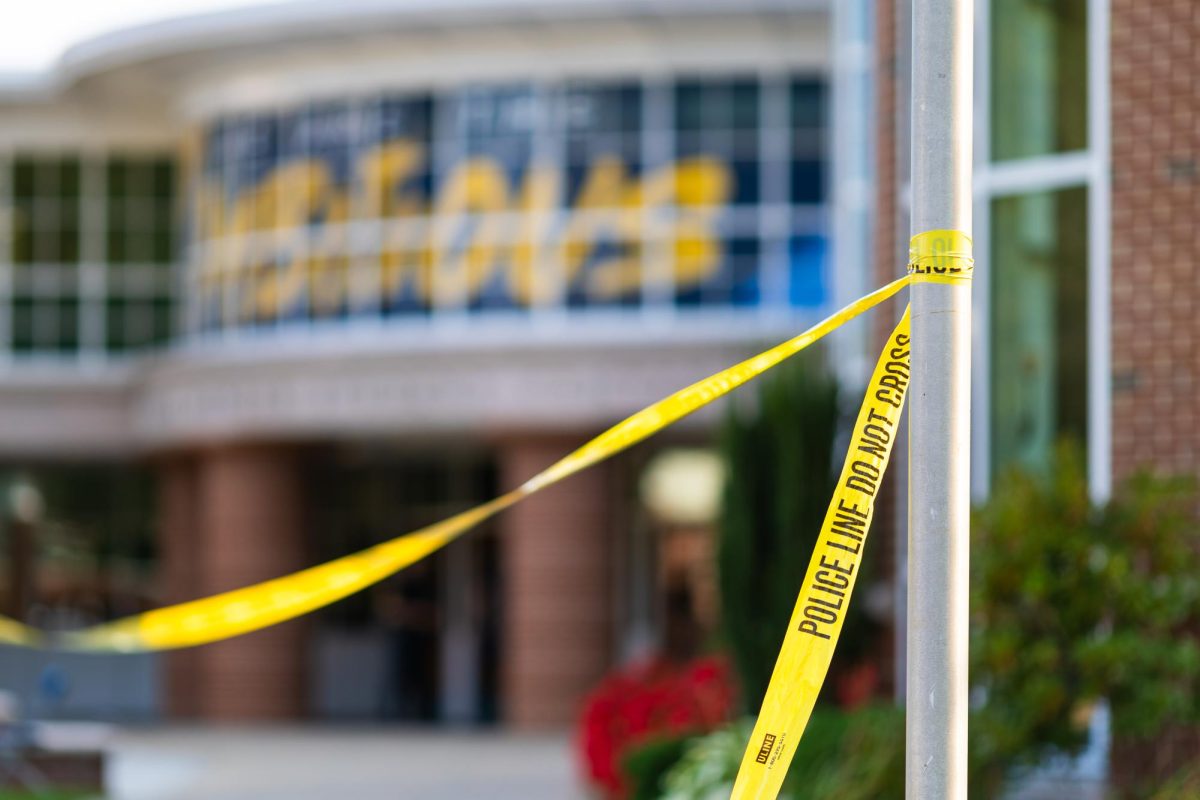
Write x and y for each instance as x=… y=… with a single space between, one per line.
x=557 y=562
x=233 y=517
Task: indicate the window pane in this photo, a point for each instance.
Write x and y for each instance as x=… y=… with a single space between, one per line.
x=140 y=237
x=1039 y=326
x=808 y=141
x=140 y=217
x=22 y=324
x=584 y=194
x=1039 y=77
x=46 y=207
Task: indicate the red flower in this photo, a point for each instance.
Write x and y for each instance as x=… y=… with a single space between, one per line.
x=645 y=699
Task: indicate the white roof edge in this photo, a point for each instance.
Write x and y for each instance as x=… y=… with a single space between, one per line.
x=32 y=86
x=280 y=21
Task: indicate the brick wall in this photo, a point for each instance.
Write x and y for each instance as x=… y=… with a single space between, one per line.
x=888 y=236
x=1155 y=59
x=557 y=573
x=232 y=518
x=1155 y=235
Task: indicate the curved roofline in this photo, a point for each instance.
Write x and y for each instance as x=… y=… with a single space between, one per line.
x=286 y=20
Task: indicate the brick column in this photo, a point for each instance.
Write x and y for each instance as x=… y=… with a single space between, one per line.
x=240 y=507
x=178 y=537
x=557 y=557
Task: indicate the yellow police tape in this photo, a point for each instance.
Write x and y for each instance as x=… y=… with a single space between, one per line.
x=833 y=569
x=940 y=256
x=248 y=609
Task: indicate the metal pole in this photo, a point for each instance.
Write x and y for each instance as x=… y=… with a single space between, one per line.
x=939 y=415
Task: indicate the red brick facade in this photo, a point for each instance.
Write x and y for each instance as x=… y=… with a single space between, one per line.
x=1155 y=59
x=231 y=517
x=1155 y=235
x=558 y=587
x=888 y=166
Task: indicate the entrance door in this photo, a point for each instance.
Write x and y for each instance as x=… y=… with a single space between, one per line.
x=421 y=645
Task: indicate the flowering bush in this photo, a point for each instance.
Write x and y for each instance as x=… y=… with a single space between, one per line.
x=648 y=700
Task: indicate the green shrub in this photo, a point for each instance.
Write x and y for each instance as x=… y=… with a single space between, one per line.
x=647 y=765
x=779 y=458
x=856 y=755
x=1074 y=603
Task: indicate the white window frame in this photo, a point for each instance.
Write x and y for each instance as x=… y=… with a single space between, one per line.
x=1089 y=168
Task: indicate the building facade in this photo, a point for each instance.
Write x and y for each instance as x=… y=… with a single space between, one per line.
x=318 y=276
x=277 y=284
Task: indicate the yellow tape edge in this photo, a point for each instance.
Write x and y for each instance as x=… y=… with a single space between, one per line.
x=940 y=256
x=824 y=596
x=258 y=606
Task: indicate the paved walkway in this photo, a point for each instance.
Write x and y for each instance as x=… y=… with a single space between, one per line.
x=330 y=763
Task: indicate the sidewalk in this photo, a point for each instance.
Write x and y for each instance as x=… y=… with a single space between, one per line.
x=324 y=763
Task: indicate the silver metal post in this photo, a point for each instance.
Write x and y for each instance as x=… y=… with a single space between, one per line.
x=939 y=415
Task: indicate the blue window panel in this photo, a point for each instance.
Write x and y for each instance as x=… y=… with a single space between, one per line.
x=745 y=256
x=397 y=118
x=252 y=150
x=806 y=271
x=405 y=302
x=745 y=182
x=329 y=137
x=808 y=181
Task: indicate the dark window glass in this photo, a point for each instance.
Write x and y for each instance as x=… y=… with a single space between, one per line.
x=808 y=104
x=22 y=324
x=46 y=210
x=808 y=181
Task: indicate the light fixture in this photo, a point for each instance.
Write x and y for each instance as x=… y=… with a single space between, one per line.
x=683 y=486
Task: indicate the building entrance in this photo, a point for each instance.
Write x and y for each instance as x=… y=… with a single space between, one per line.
x=422 y=645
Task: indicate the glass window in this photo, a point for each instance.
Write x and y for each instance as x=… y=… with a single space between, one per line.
x=141 y=234
x=46 y=249
x=97 y=535
x=140 y=210
x=1039 y=77
x=135 y=196
x=1038 y=326
x=808 y=114
x=46 y=205
x=45 y=320
x=601 y=253
x=586 y=194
